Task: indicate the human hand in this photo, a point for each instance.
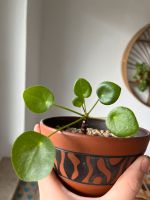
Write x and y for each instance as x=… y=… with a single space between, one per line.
x=126 y=188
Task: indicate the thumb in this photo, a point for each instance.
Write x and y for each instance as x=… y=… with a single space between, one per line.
x=129 y=183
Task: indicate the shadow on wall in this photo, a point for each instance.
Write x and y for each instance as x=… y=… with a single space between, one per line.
x=12 y=76
x=78 y=37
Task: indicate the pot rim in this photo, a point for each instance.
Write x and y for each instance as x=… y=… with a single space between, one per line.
x=146 y=132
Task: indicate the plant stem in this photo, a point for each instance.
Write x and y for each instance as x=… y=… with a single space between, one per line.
x=65 y=108
x=93 y=107
x=66 y=126
x=85 y=107
x=84 y=126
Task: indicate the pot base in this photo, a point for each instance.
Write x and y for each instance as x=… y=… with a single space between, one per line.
x=89 y=191
x=90 y=175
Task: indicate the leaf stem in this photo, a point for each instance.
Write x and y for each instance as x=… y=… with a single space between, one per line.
x=65 y=108
x=93 y=107
x=85 y=107
x=66 y=126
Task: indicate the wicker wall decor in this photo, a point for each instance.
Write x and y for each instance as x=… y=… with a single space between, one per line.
x=136 y=65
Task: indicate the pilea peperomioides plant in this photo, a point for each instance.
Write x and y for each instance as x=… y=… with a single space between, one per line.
x=33 y=154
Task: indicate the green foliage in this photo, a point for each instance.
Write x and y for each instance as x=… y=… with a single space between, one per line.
x=32 y=156
x=78 y=101
x=82 y=88
x=108 y=92
x=122 y=122
x=38 y=98
x=142 y=76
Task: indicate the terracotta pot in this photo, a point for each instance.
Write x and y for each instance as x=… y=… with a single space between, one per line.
x=90 y=165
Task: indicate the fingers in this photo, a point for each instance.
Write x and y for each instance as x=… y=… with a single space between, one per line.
x=128 y=185
x=37 y=128
x=126 y=188
x=51 y=188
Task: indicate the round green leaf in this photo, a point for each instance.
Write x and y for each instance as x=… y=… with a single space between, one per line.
x=38 y=98
x=32 y=156
x=122 y=122
x=78 y=101
x=108 y=92
x=82 y=88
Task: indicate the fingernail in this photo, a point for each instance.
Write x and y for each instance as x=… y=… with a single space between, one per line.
x=145 y=164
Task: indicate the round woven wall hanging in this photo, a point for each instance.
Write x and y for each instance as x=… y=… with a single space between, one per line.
x=136 y=65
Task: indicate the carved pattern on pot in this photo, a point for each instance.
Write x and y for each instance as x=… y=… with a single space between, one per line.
x=78 y=167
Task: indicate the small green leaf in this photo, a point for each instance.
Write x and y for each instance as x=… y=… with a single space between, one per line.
x=122 y=122
x=82 y=88
x=32 y=156
x=38 y=98
x=78 y=101
x=108 y=92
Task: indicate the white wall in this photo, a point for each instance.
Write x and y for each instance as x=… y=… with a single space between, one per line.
x=86 y=38
x=33 y=51
x=66 y=39
x=12 y=71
